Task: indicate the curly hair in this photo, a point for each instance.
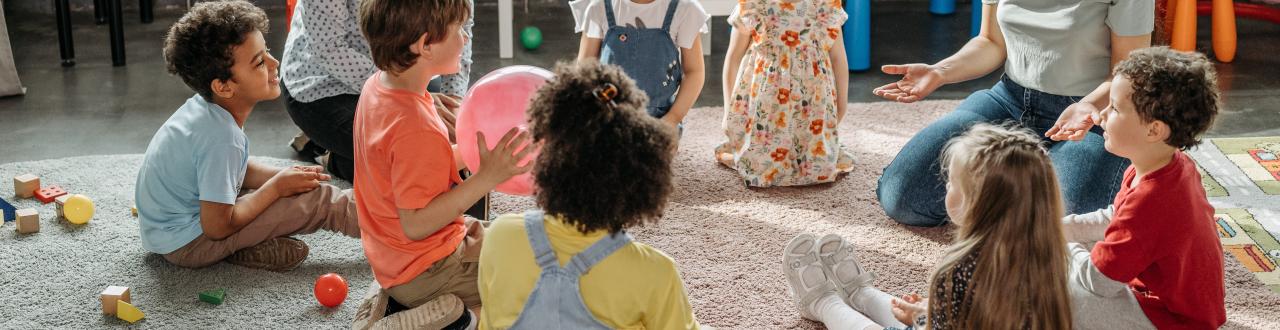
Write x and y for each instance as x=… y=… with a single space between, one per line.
x=199 y=47
x=391 y=26
x=605 y=163
x=1177 y=88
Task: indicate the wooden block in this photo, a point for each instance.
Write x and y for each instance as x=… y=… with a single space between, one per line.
x=135 y=210
x=47 y=194
x=60 y=201
x=213 y=296
x=28 y=221
x=111 y=295
x=25 y=186
x=127 y=312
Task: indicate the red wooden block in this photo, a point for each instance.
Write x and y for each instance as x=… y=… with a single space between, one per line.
x=47 y=194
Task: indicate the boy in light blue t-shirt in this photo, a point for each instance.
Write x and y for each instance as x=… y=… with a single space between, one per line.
x=188 y=191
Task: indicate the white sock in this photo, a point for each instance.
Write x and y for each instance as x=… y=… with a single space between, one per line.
x=876 y=305
x=835 y=314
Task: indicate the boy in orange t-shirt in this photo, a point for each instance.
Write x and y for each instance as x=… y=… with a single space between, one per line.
x=409 y=196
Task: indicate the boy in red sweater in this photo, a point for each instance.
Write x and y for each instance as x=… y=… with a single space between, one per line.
x=1158 y=261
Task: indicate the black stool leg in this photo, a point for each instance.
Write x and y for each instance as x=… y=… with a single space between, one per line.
x=145 y=8
x=117 y=33
x=99 y=12
x=66 y=47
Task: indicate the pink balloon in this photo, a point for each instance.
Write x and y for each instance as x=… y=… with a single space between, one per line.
x=495 y=104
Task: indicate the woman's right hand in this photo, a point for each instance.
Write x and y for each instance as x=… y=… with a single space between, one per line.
x=918 y=81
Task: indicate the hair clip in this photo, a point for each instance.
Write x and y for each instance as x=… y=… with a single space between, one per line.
x=607 y=93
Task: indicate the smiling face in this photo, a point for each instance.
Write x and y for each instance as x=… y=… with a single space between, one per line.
x=255 y=73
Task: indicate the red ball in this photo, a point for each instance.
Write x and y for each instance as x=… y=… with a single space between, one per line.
x=331 y=290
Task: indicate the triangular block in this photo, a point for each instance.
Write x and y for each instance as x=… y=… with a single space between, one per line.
x=127 y=312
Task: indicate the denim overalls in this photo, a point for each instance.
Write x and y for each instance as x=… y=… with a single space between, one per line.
x=556 y=302
x=647 y=55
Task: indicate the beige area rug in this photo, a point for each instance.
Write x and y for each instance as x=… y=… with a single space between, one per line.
x=727 y=239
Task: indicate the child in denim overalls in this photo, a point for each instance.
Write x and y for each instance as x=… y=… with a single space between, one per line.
x=572 y=265
x=656 y=42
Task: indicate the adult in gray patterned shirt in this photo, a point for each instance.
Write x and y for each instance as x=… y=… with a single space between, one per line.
x=326 y=62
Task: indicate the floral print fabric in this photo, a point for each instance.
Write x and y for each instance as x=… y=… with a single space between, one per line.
x=781 y=122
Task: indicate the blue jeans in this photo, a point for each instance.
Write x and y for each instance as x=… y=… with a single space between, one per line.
x=912 y=188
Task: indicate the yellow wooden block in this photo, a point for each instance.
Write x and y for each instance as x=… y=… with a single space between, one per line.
x=127 y=312
x=111 y=295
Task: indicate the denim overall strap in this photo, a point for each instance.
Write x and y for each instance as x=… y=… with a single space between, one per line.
x=537 y=233
x=599 y=250
x=608 y=12
x=556 y=299
x=671 y=12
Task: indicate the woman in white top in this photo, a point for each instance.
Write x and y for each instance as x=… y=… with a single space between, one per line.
x=1057 y=57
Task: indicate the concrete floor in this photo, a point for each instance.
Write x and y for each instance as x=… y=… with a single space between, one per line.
x=94 y=108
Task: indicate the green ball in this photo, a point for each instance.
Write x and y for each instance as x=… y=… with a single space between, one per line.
x=531 y=37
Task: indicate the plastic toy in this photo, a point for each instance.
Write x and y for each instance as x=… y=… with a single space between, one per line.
x=331 y=290
x=213 y=296
x=25 y=186
x=28 y=221
x=47 y=194
x=7 y=211
x=127 y=312
x=531 y=37
x=494 y=105
x=857 y=34
x=78 y=209
x=111 y=295
x=942 y=7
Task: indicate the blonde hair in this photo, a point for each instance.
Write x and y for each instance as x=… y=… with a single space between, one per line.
x=1012 y=224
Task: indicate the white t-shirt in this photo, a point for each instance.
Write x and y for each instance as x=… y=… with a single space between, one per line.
x=689 y=20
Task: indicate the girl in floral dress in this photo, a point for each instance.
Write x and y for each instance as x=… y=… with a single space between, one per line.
x=786 y=85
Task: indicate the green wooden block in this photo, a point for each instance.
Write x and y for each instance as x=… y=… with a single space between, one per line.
x=213 y=296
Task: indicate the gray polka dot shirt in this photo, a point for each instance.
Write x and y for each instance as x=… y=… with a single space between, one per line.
x=325 y=54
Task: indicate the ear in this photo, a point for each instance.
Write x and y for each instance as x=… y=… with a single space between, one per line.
x=223 y=88
x=420 y=47
x=1157 y=131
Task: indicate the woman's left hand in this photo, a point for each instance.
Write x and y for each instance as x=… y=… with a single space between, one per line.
x=1074 y=122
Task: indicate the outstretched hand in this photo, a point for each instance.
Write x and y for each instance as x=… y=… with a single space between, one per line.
x=918 y=81
x=1074 y=122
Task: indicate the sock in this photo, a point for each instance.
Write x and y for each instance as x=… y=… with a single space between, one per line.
x=876 y=305
x=835 y=314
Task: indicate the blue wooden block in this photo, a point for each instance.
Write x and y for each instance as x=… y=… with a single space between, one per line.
x=8 y=210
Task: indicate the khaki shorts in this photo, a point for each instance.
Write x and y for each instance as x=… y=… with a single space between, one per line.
x=455 y=274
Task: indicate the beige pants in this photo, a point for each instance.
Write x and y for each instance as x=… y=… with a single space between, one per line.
x=455 y=274
x=326 y=207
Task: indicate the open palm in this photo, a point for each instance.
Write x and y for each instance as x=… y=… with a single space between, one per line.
x=918 y=80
